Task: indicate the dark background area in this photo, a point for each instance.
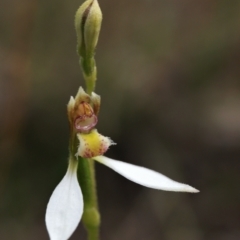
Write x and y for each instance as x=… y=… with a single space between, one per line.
x=169 y=78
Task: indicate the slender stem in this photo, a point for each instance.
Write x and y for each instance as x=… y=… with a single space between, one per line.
x=88 y=23
x=86 y=176
x=88 y=66
x=91 y=216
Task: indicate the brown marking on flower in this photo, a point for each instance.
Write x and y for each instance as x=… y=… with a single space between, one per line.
x=86 y=119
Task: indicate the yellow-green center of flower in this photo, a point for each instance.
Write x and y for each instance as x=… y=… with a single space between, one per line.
x=92 y=144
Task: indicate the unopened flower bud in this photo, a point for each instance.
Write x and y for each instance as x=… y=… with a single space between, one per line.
x=88 y=23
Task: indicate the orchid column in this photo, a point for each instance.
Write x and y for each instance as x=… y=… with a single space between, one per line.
x=69 y=201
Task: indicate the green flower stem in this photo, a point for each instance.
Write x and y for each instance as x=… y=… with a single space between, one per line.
x=91 y=216
x=86 y=171
x=86 y=176
x=88 y=23
x=89 y=70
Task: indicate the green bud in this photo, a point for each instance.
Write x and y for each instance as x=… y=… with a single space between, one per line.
x=88 y=23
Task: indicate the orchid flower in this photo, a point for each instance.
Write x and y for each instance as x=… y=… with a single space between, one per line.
x=68 y=203
x=65 y=207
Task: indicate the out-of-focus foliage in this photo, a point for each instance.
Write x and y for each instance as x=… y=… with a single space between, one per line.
x=169 y=77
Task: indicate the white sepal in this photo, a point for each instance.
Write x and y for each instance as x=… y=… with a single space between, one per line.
x=65 y=207
x=144 y=176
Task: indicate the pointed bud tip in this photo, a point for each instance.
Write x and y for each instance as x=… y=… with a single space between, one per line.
x=94 y=95
x=82 y=96
x=96 y=101
x=80 y=92
x=71 y=101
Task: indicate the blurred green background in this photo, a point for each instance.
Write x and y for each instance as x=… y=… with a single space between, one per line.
x=169 y=78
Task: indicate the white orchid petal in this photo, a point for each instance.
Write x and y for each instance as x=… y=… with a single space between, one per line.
x=144 y=176
x=65 y=207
